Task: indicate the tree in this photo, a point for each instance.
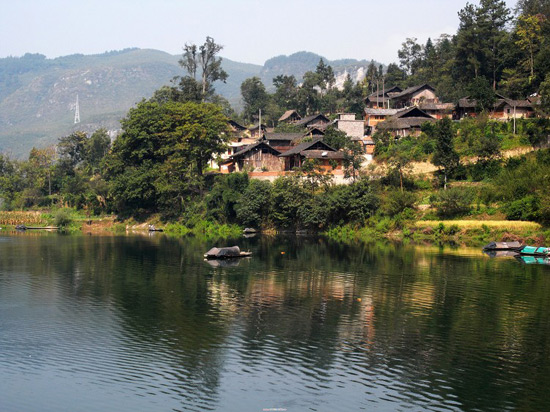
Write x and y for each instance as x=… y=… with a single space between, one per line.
x=545 y=95
x=492 y=18
x=160 y=156
x=468 y=43
x=254 y=96
x=533 y=7
x=481 y=91
x=445 y=155
x=286 y=91
x=203 y=58
x=71 y=149
x=529 y=33
x=326 y=75
x=400 y=158
x=410 y=55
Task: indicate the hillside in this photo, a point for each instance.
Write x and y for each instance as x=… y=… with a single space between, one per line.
x=38 y=95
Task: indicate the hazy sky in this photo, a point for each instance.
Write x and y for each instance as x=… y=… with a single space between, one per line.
x=251 y=30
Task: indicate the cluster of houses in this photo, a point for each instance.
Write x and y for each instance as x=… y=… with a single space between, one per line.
x=263 y=152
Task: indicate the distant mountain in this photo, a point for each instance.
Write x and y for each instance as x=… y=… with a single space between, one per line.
x=38 y=95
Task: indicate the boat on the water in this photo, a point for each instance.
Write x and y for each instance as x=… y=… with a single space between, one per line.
x=534 y=251
x=232 y=252
x=514 y=248
x=498 y=246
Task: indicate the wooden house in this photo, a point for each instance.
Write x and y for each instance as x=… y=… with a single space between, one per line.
x=257 y=156
x=290 y=116
x=503 y=108
x=438 y=110
x=255 y=132
x=406 y=122
x=414 y=96
x=313 y=120
x=374 y=116
x=235 y=128
x=381 y=98
x=316 y=131
x=282 y=141
x=328 y=158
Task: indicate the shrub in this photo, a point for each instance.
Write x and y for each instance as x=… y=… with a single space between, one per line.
x=62 y=218
x=453 y=202
x=398 y=201
x=525 y=208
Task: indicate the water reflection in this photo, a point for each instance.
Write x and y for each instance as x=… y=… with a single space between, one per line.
x=305 y=324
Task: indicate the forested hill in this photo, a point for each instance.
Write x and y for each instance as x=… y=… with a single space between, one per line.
x=38 y=95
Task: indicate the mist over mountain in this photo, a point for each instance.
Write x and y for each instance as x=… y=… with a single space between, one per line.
x=38 y=95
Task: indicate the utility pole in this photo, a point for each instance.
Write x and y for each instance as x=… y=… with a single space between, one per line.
x=260 y=125
x=514 y=118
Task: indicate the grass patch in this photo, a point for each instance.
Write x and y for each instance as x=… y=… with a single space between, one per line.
x=509 y=225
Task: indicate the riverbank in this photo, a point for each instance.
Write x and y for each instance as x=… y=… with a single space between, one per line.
x=466 y=232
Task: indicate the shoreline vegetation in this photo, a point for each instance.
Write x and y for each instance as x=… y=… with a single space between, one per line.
x=469 y=233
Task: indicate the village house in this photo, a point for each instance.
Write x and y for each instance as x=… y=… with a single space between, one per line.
x=282 y=141
x=438 y=110
x=239 y=138
x=382 y=98
x=503 y=108
x=414 y=96
x=328 y=158
x=254 y=157
x=290 y=116
x=313 y=120
x=374 y=116
x=353 y=128
x=255 y=132
x=406 y=122
x=316 y=131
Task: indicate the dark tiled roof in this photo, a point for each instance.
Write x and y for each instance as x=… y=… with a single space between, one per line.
x=412 y=112
x=283 y=136
x=287 y=114
x=380 y=92
x=412 y=90
x=236 y=125
x=305 y=146
x=380 y=112
x=253 y=146
x=308 y=119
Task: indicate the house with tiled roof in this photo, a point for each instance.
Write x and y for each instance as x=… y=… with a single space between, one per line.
x=329 y=159
x=503 y=108
x=414 y=96
x=313 y=120
x=290 y=116
x=407 y=122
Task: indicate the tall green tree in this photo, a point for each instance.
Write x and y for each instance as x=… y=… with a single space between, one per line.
x=201 y=61
x=445 y=155
x=255 y=97
x=160 y=157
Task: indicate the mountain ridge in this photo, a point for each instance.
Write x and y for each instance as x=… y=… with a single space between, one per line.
x=38 y=95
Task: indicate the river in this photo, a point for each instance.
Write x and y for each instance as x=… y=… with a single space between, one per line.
x=142 y=323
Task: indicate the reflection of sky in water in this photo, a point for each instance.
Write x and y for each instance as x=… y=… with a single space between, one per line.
x=145 y=324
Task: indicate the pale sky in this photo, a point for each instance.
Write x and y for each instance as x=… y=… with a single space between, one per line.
x=251 y=31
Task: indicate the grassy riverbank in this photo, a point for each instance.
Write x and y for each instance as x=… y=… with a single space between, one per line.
x=468 y=232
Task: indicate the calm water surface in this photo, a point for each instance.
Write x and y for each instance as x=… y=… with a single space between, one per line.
x=144 y=324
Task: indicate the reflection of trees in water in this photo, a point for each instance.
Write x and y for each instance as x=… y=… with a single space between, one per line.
x=430 y=316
